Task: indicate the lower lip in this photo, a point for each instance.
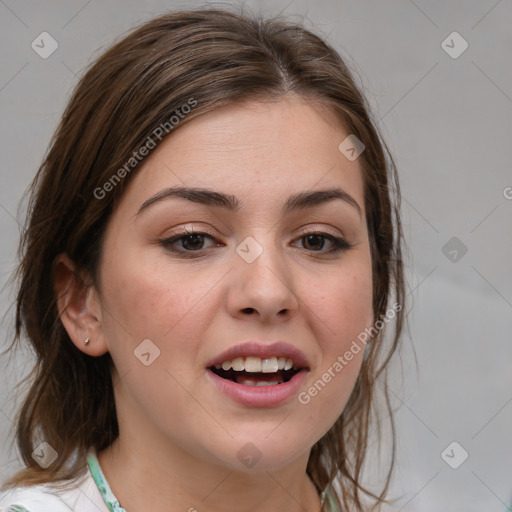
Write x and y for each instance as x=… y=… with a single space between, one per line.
x=259 y=396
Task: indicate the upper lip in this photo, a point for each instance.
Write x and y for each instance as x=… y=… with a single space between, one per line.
x=263 y=351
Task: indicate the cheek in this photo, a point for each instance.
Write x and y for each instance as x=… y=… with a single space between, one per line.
x=147 y=300
x=144 y=303
x=345 y=303
x=352 y=313
x=343 y=311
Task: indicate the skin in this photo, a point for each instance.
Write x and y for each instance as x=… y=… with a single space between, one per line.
x=179 y=435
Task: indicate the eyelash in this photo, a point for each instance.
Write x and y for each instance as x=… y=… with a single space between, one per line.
x=340 y=245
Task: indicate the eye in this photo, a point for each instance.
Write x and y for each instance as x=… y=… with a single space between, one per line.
x=316 y=240
x=191 y=241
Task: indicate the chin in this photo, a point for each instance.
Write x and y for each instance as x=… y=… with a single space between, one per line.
x=254 y=455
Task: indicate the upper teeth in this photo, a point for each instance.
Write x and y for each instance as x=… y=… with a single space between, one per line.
x=257 y=365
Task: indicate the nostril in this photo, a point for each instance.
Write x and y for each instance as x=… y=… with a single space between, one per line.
x=248 y=310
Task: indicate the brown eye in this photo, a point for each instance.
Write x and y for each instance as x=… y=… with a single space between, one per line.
x=191 y=242
x=315 y=242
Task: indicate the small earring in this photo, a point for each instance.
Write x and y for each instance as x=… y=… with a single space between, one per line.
x=86 y=342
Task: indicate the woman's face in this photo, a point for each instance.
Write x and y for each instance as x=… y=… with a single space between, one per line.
x=169 y=310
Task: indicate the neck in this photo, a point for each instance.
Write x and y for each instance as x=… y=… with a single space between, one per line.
x=172 y=481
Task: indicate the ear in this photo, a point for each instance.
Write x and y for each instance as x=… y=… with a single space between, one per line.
x=79 y=307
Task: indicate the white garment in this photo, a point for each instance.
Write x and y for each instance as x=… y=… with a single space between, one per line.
x=83 y=496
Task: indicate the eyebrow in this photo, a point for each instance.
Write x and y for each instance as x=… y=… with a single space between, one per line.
x=298 y=201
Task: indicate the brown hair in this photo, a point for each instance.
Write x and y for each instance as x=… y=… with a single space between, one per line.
x=215 y=57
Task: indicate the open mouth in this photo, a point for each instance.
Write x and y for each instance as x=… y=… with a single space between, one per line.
x=256 y=378
x=255 y=371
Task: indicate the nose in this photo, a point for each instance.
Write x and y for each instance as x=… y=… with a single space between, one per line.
x=261 y=285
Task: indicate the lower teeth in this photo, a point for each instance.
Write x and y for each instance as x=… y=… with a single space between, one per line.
x=252 y=383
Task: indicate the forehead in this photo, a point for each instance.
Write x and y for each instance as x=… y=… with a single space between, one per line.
x=258 y=151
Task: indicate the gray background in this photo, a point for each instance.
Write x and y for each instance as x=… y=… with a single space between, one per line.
x=448 y=122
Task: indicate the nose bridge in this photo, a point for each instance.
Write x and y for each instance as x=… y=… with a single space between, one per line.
x=264 y=281
x=259 y=253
